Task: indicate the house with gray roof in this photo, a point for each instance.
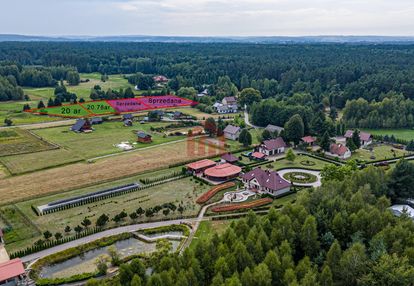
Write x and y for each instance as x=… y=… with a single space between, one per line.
x=274 y=129
x=272 y=146
x=265 y=181
x=231 y=132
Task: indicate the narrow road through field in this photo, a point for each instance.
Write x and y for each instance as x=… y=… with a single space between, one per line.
x=46 y=124
x=246 y=119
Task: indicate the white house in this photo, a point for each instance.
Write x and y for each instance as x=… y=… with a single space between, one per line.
x=272 y=146
x=364 y=137
x=231 y=132
x=265 y=181
x=227 y=105
x=340 y=151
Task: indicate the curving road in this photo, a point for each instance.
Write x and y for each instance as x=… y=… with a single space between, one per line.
x=315 y=173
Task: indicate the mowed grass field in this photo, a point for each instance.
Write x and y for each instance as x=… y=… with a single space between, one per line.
x=379 y=152
x=181 y=192
x=405 y=134
x=14 y=111
x=78 y=175
x=17 y=141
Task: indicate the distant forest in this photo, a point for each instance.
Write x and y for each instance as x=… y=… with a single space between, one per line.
x=331 y=74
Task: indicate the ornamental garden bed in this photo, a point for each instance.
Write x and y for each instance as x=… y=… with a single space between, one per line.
x=246 y=205
x=212 y=192
x=300 y=177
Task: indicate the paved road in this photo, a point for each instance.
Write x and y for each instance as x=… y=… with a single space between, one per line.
x=315 y=173
x=246 y=119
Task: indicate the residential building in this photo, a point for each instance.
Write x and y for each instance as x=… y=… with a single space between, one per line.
x=229 y=158
x=227 y=105
x=265 y=181
x=231 y=132
x=160 y=79
x=144 y=137
x=340 y=151
x=82 y=125
x=272 y=146
x=364 y=137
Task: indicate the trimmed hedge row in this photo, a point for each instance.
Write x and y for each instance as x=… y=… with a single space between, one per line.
x=147 y=181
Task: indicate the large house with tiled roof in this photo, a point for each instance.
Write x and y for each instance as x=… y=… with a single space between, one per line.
x=340 y=151
x=366 y=138
x=272 y=146
x=231 y=132
x=265 y=181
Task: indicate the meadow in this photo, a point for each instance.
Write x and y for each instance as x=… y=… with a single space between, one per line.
x=379 y=152
x=301 y=161
x=405 y=134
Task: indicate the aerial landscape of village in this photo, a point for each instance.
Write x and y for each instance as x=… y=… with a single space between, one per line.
x=206 y=160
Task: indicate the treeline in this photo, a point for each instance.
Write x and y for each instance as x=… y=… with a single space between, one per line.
x=339 y=234
x=394 y=111
x=38 y=76
x=332 y=71
x=9 y=89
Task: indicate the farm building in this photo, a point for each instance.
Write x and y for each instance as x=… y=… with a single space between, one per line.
x=82 y=125
x=144 y=137
x=272 y=146
x=200 y=166
x=339 y=151
x=231 y=132
x=222 y=172
x=366 y=138
x=229 y=158
x=265 y=181
x=12 y=273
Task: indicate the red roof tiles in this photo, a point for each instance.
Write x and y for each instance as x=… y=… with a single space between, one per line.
x=10 y=269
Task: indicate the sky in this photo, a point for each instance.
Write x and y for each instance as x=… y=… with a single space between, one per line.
x=207 y=17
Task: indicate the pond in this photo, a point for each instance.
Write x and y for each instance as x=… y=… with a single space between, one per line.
x=85 y=263
x=175 y=233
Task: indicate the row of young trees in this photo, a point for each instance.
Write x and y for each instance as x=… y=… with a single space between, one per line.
x=339 y=234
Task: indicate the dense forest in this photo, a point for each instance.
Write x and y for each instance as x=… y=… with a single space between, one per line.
x=329 y=74
x=339 y=234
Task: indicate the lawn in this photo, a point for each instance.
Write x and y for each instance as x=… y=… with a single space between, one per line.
x=15 y=141
x=301 y=161
x=181 y=192
x=102 y=140
x=405 y=134
x=379 y=152
x=202 y=115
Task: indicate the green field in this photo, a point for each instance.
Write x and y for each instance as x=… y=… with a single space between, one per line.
x=98 y=107
x=405 y=134
x=379 y=152
x=181 y=192
x=15 y=141
x=65 y=111
x=17 y=228
x=14 y=111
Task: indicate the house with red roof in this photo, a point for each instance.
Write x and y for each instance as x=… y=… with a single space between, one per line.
x=222 y=172
x=12 y=273
x=199 y=166
x=308 y=140
x=265 y=181
x=365 y=137
x=339 y=150
x=272 y=146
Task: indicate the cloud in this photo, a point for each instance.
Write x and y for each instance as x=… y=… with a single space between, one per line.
x=208 y=17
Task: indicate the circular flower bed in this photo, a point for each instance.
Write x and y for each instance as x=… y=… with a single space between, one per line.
x=307 y=163
x=300 y=177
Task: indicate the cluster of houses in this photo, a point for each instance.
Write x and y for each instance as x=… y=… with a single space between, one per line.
x=12 y=272
x=227 y=105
